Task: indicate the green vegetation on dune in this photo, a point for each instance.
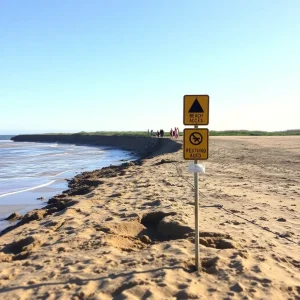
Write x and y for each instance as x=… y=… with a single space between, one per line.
x=135 y=133
x=253 y=133
x=211 y=133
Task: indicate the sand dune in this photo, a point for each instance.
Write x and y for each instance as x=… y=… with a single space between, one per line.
x=128 y=232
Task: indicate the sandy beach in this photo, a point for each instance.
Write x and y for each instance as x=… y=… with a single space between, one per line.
x=127 y=232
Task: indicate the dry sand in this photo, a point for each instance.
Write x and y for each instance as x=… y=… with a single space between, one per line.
x=127 y=232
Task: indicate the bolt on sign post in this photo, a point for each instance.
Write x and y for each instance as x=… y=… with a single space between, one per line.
x=195 y=147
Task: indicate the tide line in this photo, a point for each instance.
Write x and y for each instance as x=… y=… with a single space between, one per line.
x=25 y=190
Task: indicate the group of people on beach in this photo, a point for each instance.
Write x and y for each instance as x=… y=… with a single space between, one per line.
x=174 y=133
x=158 y=133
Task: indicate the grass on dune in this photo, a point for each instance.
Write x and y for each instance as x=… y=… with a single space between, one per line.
x=254 y=133
x=211 y=133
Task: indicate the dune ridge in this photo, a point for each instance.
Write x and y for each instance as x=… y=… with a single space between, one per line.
x=141 y=145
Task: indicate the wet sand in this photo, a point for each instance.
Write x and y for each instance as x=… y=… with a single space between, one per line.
x=127 y=232
x=5 y=209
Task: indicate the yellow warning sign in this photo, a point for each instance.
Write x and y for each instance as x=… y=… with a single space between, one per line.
x=195 y=144
x=195 y=110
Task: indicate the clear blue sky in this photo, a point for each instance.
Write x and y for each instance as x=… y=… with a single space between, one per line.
x=68 y=66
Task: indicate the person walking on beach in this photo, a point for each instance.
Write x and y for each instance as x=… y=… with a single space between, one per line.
x=157 y=133
x=161 y=133
x=176 y=132
x=171 y=133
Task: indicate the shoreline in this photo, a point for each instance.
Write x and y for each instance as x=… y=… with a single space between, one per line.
x=78 y=185
x=153 y=147
x=29 y=200
x=29 y=197
x=7 y=210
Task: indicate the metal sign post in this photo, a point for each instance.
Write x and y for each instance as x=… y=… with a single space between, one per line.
x=195 y=147
x=196 y=188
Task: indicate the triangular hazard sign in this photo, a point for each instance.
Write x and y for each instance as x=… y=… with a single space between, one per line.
x=196 y=107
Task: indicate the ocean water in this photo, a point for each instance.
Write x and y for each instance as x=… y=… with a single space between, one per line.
x=29 y=171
